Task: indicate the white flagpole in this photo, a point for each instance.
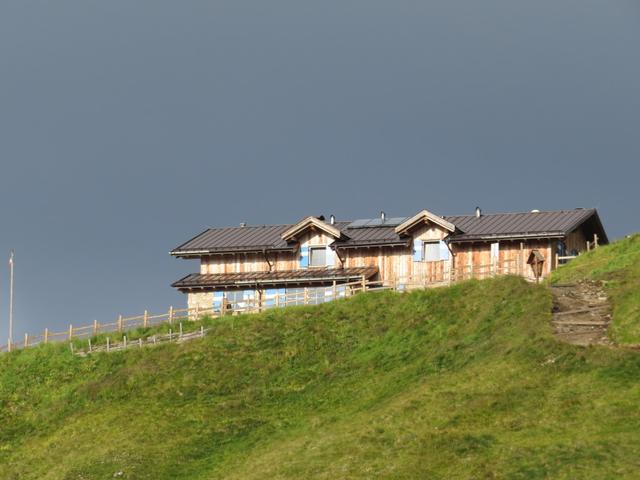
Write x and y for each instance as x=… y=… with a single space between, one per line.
x=11 y=298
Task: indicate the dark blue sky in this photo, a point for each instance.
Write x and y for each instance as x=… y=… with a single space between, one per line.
x=126 y=127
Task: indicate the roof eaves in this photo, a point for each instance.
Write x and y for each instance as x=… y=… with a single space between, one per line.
x=373 y=243
x=189 y=241
x=508 y=236
x=228 y=250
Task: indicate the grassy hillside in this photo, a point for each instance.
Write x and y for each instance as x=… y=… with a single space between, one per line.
x=618 y=266
x=462 y=382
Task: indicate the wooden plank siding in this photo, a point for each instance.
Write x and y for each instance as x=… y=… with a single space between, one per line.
x=576 y=240
x=479 y=253
x=397 y=261
x=256 y=262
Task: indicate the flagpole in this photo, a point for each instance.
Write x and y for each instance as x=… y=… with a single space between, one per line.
x=11 y=298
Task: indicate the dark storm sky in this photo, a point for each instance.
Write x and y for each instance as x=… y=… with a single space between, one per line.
x=128 y=126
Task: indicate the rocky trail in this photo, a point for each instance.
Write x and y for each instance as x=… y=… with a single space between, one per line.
x=581 y=313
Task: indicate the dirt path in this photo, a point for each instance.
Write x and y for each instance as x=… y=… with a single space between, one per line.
x=581 y=313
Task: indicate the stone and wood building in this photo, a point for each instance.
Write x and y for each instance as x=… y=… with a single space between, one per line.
x=319 y=255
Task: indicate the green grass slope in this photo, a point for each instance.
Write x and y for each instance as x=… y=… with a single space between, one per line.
x=459 y=382
x=618 y=267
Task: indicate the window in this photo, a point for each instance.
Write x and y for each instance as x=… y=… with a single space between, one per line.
x=295 y=296
x=239 y=299
x=435 y=251
x=217 y=301
x=561 y=248
x=431 y=252
x=318 y=257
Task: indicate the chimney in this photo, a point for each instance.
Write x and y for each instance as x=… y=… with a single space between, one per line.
x=478 y=212
x=383 y=216
x=243 y=224
x=332 y=220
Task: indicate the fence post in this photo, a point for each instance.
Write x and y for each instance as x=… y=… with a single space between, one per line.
x=171 y=315
x=140 y=342
x=26 y=340
x=95 y=327
x=9 y=344
x=125 y=341
x=202 y=330
x=120 y=326
x=70 y=331
x=89 y=345
x=108 y=344
x=180 y=330
x=334 y=290
x=46 y=335
x=145 y=320
x=364 y=283
x=305 y=299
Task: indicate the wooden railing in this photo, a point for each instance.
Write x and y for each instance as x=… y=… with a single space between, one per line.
x=440 y=275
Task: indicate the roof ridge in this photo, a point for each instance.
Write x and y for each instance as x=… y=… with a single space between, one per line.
x=442 y=216
x=521 y=213
x=252 y=226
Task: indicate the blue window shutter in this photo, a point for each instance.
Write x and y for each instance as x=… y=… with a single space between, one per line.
x=417 y=251
x=330 y=257
x=269 y=298
x=304 y=257
x=444 y=250
x=217 y=300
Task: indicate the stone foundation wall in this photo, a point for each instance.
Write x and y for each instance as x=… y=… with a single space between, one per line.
x=202 y=300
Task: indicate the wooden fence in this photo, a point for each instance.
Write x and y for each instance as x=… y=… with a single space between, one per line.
x=436 y=276
x=124 y=344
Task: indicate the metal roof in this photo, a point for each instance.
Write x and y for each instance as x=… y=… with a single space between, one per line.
x=372 y=232
x=372 y=236
x=236 y=239
x=276 y=278
x=376 y=222
x=531 y=224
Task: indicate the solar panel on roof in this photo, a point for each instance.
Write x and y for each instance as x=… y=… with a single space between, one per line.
x=358 y=223
x=376 y=222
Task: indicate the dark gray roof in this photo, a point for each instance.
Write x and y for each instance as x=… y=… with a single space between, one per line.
x=365 y=233
x=377 y=222
x=236 y=239
x=531 y=224
x=372 y=236
x=276 y=278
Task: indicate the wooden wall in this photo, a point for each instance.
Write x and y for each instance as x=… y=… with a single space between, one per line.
x=517 y=252
x=397 y=262
x=576 y=240
x=391 y=261
x=248 y=262
x=255 y=262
